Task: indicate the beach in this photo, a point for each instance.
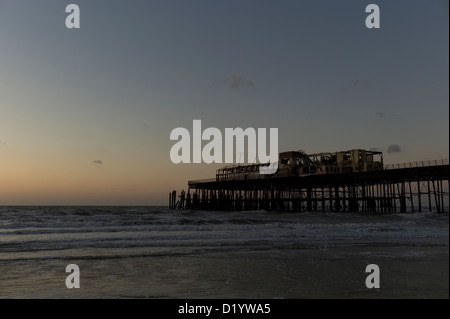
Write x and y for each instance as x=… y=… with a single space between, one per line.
x=154 y=252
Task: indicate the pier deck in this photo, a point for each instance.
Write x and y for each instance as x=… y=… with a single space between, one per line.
x=412 y=187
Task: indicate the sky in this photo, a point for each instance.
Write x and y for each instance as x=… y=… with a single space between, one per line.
x=86 y=114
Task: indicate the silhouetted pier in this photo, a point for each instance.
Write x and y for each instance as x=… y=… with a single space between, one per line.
x=411 y=187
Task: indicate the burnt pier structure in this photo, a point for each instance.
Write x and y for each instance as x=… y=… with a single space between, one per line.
x=350 y=181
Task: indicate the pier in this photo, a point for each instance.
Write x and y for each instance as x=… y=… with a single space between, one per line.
x=407 y=187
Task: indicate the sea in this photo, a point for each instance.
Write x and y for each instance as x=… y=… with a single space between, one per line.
x=159 y=253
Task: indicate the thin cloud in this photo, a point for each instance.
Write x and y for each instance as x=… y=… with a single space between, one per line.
x=394 y=148
x=235 y=82
x=98 y=162
x=356 y=85
x=382 y=115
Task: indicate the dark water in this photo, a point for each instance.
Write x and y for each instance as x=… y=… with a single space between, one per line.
x=154 y=252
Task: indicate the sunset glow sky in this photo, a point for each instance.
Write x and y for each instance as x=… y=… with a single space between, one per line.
x=85 y=115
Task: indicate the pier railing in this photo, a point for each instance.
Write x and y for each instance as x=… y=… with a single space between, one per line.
x=200 y=181
x=417 y=164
